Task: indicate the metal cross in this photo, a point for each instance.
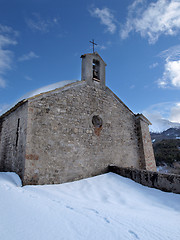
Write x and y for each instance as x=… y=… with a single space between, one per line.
x=93 y=44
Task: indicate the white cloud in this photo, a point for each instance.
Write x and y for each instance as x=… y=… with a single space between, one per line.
x=175 y=113
x=153 y=20
x=171 y=74
x=163 y=115
x=106 y=18
x=27 y=56
x=162 y=109
x=7 y=37
x=37 y=23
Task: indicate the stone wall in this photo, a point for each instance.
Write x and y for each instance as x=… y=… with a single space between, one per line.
x=87 y=69
x=72 y=133
x=147 y=159
x=13 y=140
x=164 y=182
x=63 y=143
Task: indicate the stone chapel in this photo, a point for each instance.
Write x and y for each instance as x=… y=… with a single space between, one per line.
x=74 y=132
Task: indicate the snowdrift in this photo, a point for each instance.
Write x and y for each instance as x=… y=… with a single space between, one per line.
x=104 y=207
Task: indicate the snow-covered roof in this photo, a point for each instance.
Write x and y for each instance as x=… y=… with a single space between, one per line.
x=56 y=87
x=34 y=93
x=48 y=88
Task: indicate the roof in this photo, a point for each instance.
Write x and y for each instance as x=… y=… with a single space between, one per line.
x=56 y=89
x=119 y=100
x=27 y=99
x=13 y=108
x=95 y=53
x=142 y=117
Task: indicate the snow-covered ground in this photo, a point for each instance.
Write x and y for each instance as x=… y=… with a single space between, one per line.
x=103 y=207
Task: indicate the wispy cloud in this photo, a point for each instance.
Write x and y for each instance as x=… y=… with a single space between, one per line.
x=171 y=74
x=4 y=108
x=152 y=20
x=172 y=53
x=7 y=37
x=104 y=45
x=37 y=24
x=47 y=88
x=162 y=108
x=2 y=82
x=132 y=86
x=106 y=18
x=28 y=78
x=175 y=113
x=6 y=40
x=8 y=30
x=163 y=115
x=5 y=60
x=154 y=65
x=27 y=57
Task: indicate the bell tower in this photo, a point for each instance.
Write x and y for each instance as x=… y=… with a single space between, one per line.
x=93 y=69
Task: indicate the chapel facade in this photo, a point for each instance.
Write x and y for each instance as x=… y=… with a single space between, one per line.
x=74 y=132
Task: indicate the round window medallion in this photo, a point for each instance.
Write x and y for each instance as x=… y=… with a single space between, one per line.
x=97 y=121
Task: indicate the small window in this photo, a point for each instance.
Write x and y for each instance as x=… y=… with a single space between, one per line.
x=96 y=69
x=17 y=131
x=97 y=121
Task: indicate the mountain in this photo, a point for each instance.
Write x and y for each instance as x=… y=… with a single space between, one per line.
x=166 y=147
x=171 y=133
x=160 y=125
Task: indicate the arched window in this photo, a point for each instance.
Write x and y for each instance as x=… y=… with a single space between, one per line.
x=96 y=69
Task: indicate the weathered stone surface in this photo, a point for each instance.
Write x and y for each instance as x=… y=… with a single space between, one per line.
x=68 y=145
x=145 y=145
x=73 y=132
x=13 y=141
x=164 y=182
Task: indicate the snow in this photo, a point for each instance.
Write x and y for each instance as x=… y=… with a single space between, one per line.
x=43 y=89
x=48 y=88
x=164 y=168
x=103 y=207
x=160 y=125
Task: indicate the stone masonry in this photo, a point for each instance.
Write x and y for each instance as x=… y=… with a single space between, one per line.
x=74 y=132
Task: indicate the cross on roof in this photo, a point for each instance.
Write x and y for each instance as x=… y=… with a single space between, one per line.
x=93 y=44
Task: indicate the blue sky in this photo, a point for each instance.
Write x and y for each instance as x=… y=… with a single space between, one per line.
x=41 y=42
